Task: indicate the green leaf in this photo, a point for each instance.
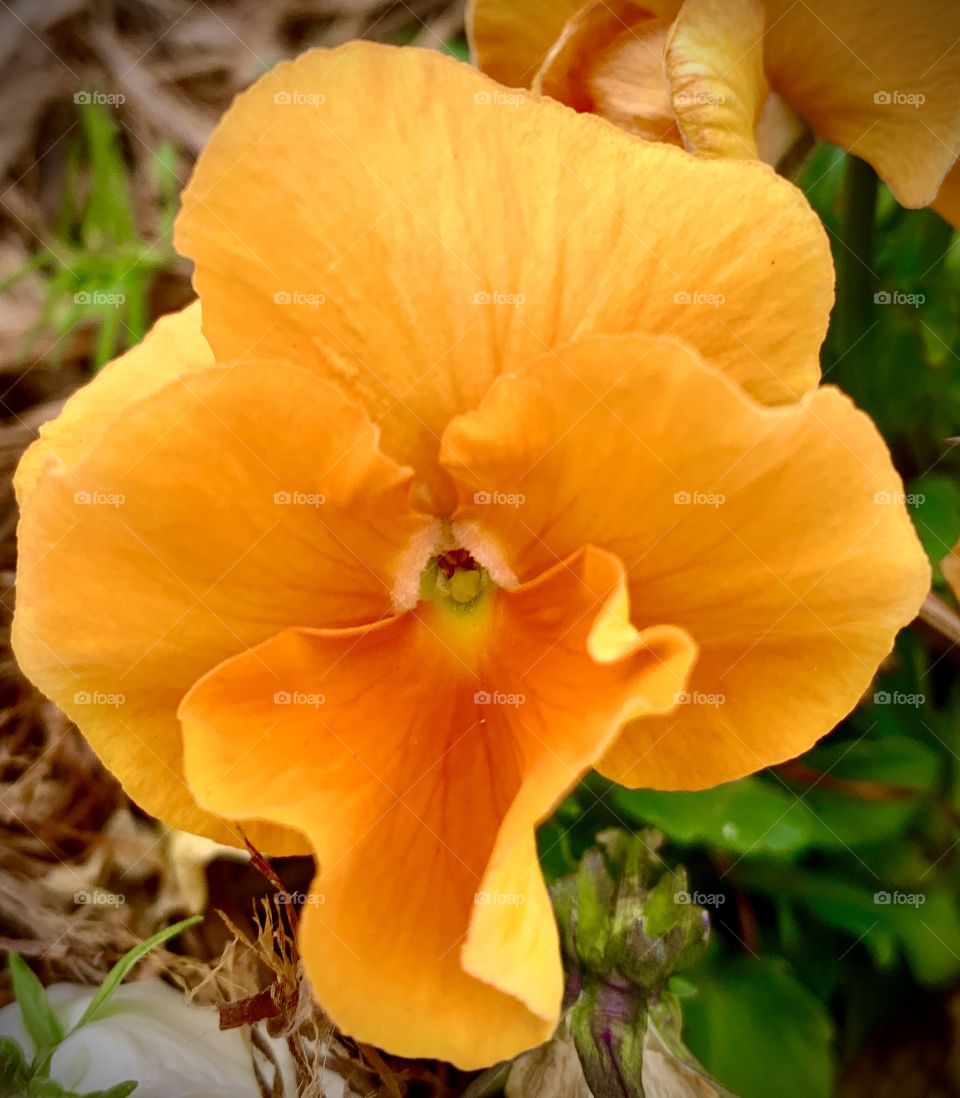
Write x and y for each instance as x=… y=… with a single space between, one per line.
x=120 y=970
x=49 y=1088
x=121 y=1090
x=38 y=1017
x=837 y=819
x=747 y=816
x=13 y=1069
x=760 y=1031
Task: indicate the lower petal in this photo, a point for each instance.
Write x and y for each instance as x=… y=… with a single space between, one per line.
x=417 y=756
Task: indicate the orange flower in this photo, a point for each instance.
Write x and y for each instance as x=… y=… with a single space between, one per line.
x=490 y=441
x=746 y=78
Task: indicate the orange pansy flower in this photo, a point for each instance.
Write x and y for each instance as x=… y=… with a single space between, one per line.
x=748 y=78
x=493 y=438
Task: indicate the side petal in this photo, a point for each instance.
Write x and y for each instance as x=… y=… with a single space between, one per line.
x=174 y=346
x=215 y=511
x=777 y=538
x=417 y=756
x=879 y=79
x=529 y=224
x=714 y=60
x=509 y=40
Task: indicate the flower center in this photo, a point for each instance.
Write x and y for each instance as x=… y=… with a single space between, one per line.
x=454 y=578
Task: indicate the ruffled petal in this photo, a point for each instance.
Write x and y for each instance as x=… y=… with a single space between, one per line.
x=879 y=79
x=777 y=538
x=417 y=755
x=217 y=510
x=398 y=223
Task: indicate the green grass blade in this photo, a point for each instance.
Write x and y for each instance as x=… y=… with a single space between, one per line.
x=38 y=1017
x=120 y=970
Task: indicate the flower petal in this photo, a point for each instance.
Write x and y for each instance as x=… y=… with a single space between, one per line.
x=174 y=346
x=777 y=538
x=510 y=40
x=714 y=61
x=881 y=80
x=454 y=230
x=609 y=60
x=417 y=755
x=218 y=510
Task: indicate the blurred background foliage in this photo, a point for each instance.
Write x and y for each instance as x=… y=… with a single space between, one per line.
x=833 y=882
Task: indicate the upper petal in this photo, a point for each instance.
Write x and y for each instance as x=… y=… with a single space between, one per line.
x=417 y=755
x=403 y=226
x=777 y=538
x=880 y=79
x=227 y=505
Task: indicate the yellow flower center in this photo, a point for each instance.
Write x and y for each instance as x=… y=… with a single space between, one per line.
x=456 y=579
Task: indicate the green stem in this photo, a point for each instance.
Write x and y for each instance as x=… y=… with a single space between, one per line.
x=856 y=278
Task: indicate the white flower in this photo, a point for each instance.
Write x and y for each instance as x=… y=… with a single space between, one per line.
x=150 y=1033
